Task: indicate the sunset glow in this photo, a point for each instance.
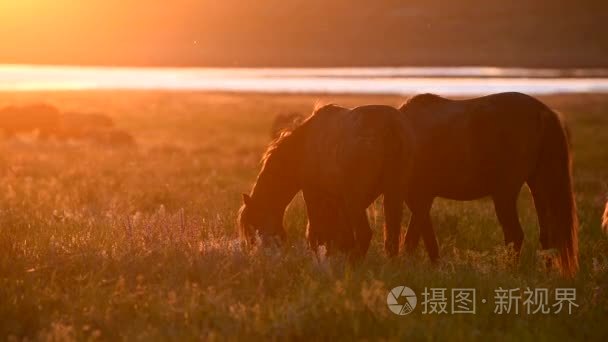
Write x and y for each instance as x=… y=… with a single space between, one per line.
x=303 y=170
x=51 y=32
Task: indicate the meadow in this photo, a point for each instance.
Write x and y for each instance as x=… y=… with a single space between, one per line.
x=139 y=243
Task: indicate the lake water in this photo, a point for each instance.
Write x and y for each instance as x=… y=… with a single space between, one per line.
x=406 y=80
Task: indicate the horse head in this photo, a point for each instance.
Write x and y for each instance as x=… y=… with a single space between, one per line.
x=257 y=220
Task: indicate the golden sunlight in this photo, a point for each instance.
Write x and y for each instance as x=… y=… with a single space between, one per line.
x=49 y=32
x=303 y=170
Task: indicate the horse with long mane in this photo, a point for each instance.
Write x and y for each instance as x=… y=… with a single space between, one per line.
x=342 y=160
x=492 y=146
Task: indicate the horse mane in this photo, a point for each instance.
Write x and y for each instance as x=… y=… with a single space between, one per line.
x=289 y=136
x=276 y=143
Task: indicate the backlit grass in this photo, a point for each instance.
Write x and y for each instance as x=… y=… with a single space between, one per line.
x=140 y=243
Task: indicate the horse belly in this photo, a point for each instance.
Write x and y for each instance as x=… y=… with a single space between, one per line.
x=454 y=175
x=465 y=192
x=450 y=187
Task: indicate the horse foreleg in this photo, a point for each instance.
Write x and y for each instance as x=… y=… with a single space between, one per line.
x=393 y=212
x=506 y=211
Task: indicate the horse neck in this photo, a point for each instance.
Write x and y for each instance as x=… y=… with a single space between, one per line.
x=278 y=182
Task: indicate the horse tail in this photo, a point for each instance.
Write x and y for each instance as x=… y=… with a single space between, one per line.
x=551 y=186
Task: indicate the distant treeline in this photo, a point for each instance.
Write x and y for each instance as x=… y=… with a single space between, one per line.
x=536 y=33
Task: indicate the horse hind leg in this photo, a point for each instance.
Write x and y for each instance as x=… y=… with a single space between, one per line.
x=412 y=236
x=605 y=219
x=363 y=234
x=506 y=212
x=312 y=236
x=421 y=225
x=540 y=204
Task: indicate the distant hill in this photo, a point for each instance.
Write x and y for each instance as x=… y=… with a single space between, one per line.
x=537 y=33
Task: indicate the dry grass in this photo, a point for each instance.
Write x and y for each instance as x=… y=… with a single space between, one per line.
x=139 y=243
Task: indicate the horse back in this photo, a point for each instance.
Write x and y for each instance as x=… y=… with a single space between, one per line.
x=353 y=150
x=469 y=148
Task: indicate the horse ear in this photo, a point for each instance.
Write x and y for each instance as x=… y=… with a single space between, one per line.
x=246 y=199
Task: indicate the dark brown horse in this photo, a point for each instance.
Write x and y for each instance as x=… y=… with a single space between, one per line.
x=342 y=160
x=491 y=146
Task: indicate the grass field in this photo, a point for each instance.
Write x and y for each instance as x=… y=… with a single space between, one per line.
x=140 y=243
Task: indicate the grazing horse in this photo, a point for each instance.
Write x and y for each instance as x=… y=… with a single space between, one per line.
x=491 y=146
x=342 y=160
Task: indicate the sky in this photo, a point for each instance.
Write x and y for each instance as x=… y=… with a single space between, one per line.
x=304 y=32
x=64 y=30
